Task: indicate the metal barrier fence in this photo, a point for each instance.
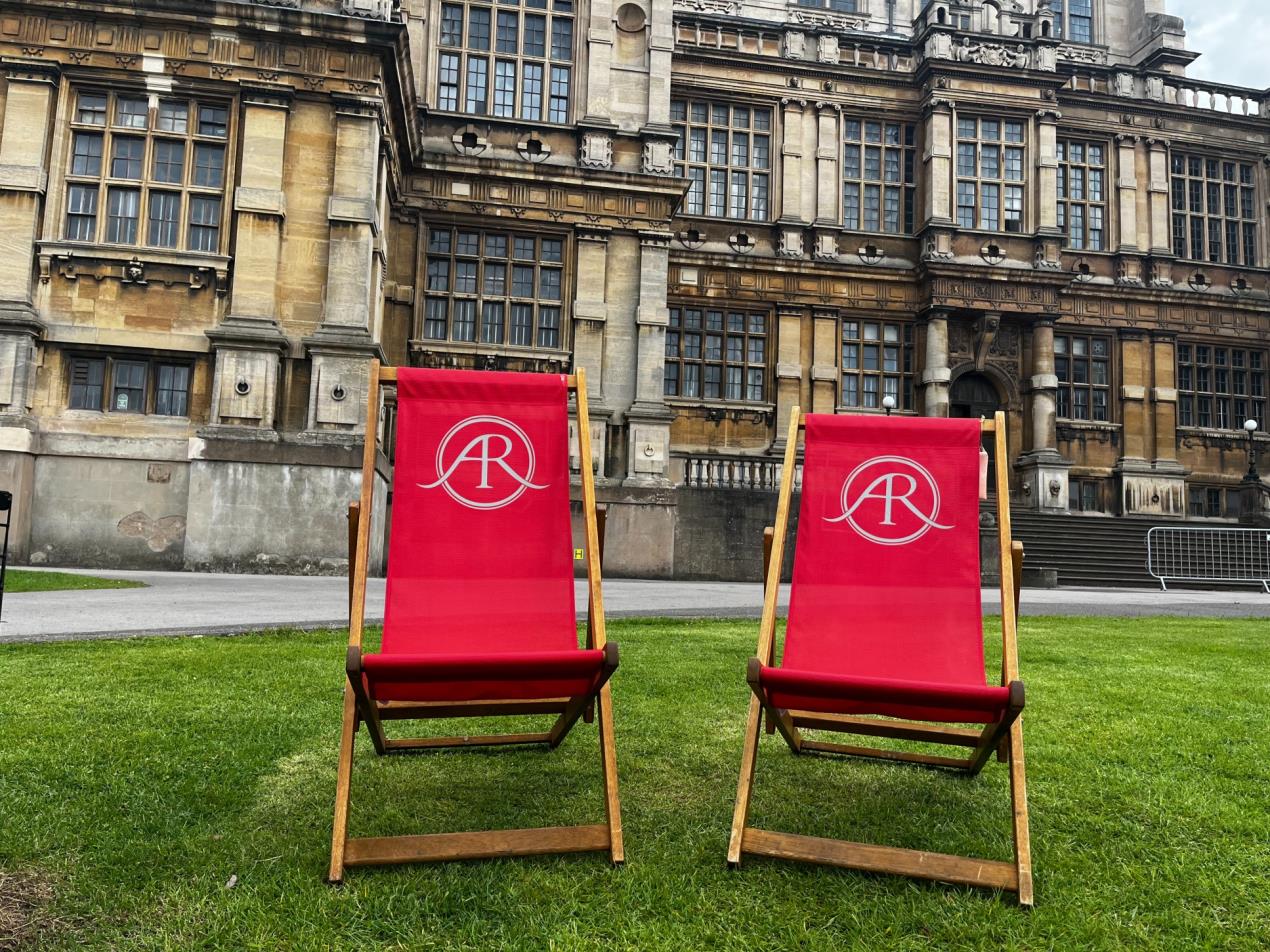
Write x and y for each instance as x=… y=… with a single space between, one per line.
x=1209 y=555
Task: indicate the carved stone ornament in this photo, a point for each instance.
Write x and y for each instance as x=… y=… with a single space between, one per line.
x=596 y=151
x=789 y=244
x=1082 y=54
x=1015 y=55
x=726 y=7
x=827 y=49
x=831 y=20
x=794 y=45
x=657 y=158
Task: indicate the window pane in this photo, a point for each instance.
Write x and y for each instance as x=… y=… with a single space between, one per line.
x=204 y=224
x=126 y=157
x=173 y=117
x=169 y=162
x=209 y=166
x=128 y=392
x=81 y=212
x=165 y=219
x=90 y=109
x=122 y=211
x=86 y=154
x=172 y=390
x=132 y=112
x=87 y=378
x=213 y=121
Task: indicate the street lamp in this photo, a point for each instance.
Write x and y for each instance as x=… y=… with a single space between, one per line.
x=888 y=404
x=1251 y=476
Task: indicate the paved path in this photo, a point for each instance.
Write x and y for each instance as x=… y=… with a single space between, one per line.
x=188 y=603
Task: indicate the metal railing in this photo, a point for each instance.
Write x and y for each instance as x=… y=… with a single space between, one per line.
x=1209 y=555
x=708 y=471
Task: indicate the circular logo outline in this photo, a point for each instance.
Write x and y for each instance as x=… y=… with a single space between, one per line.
x=525 y=481
x=928 y=522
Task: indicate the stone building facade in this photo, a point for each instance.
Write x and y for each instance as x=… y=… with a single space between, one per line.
x=214 y=214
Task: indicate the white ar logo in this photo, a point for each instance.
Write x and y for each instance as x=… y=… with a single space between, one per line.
x=495 y=441
x=887 y=472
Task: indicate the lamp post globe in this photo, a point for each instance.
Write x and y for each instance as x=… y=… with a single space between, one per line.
x=888 y=404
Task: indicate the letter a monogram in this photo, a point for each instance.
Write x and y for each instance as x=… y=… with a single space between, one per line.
x=494 y=467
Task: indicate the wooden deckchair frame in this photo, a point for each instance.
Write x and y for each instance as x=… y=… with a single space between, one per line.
x=1005 y=737
x=359 y=708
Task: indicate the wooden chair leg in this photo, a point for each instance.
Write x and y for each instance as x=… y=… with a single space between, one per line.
x=1018 y=797
x=608 y=758
x=745 y=785
x=343 y=785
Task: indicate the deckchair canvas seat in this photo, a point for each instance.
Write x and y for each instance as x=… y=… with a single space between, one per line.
x=520 y=675
x=917 y=700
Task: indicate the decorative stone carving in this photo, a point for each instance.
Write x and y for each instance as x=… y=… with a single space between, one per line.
x=827 y=49
x=1122 y=85
x=368 y=9
x=794 y=45
x=790 y=243
x=831 y=20
x=1082 y=54
x=726 y=7
x=596 y=151
x=657 y=157
x=986 y=54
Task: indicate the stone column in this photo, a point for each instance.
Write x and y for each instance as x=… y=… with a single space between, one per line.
x=1135 y=380
x=825 y=346
x=590 y=314
x=24 y=161
x=791 y=220
x=648 y=450
x=935 y=372
x=1044 y=388
x=1042 y=467
x=340 y=350
x=828 y=181
x=789 y=368
x=249 y=344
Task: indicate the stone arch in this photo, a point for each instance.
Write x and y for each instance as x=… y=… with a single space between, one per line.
x=1006 y=387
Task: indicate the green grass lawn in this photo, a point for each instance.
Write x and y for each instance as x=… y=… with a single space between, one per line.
x=18 y=580
x=137 y=778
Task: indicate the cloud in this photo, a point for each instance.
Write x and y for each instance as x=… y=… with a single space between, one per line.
x=1229 y=37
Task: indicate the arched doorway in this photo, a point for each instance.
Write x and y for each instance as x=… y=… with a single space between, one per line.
x=973 y=396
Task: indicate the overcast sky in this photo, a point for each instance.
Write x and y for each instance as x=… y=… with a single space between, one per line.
x=1232 y=36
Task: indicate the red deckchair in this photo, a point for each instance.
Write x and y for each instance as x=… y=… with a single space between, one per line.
x=885 y=631
x=479 y=618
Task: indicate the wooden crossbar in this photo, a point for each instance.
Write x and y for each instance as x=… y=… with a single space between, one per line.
x=415 y=710
x=901 y=730
x=484 y=844
x=475 y=740
x=940 y=867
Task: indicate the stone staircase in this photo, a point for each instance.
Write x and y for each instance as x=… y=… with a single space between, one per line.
x=1088 y=551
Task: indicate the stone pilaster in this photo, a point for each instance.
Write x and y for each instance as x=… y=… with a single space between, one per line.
x=1042 y=466
x=590 y=315
x=828 y=182
x=789 y=368
x=599 y=45
x=248 y=344
x=648 y=419
x=1127 y=192
x=340 y=350
x=937 y=160
x=1158 y=197
x=936 y=373
x=1152 y=481
x=1049 y=238
x=790 y=241
x=825 y=345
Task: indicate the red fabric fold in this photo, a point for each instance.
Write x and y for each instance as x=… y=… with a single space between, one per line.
x=844 y=694
x=480 y=561
x=886 y=570
x=546 y=674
